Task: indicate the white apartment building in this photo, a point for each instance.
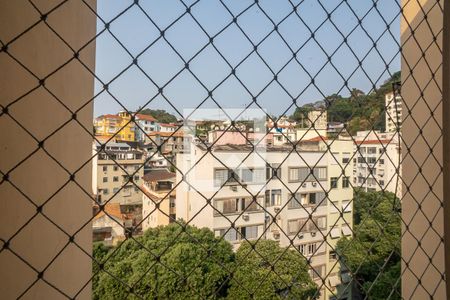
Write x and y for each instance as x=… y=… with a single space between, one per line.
x=292 y=206
x=393 y=105
x=145 y=125
x=377 y=162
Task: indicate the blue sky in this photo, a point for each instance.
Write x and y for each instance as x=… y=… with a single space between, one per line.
x=160 y=62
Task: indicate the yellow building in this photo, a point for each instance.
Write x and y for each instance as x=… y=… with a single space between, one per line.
x=118 y=125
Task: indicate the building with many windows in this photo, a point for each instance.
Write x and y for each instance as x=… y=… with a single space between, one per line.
x=393 y=105
x=377 y=162
x=119 y=125
x=145 y=124
x=272 y=193
x=119 y=171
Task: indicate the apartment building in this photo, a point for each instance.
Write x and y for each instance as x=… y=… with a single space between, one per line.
x=118 y=125
x=167 y=127
x=146 y=124
x=377 y=158
x=158 y=198
x=317 y=118
x=119 y=174
x=393 y=106
x=234 y=137
x=291 y=208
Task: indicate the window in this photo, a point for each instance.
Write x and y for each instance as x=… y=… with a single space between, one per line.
x=332 y=255
x=105 y=179
x=334 y=182
x=345 y=182
x=115 y=190
x=304 y=174
x=253 y=175
x=382 y=182
x=115 y=168
x=346 y=206
x=308 y=249
x=247 y=204
x=345 y=160
x=105 y=168
x=296 y=226
x=273 y=198
x=116 y=178
x=227 y=206
x=317 y=272
x=249 y=232
x=220 y=176
x=297 y=201
x=136 y=177
x=136 y=189
x=247 y=175
x=229 y=234
x=381 y=161
x=272 y=172
x=105 y=191
x=136 y=168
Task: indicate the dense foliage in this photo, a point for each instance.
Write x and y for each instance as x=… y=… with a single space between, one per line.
x=375 y=246
x=193 y=264
x=270 y=272
x=359 y=111
x=159 y=114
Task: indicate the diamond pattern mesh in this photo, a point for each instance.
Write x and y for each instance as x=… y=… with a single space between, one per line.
x=333 y=234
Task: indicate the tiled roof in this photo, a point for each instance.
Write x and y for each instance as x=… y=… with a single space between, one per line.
x=112 y=209
x=145 y=117
x=158 y=174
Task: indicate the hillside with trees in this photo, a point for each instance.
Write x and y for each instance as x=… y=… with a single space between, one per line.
x=159 y=114
x=359 y=111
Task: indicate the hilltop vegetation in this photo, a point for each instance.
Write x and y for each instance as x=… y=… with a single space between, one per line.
x=359 y=111
x=159 y=114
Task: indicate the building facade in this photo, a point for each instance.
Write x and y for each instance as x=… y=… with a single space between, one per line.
x=119 y=174
x=145 y=125
x=119 y=126
x=291 y=207
x=393 y=106
x=377 y=162
x=158 y=198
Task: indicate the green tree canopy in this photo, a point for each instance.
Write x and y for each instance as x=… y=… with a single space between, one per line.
x=193 y=264
x=159 y=114
x=269 y=271
x=375 y=246
x=174 y=264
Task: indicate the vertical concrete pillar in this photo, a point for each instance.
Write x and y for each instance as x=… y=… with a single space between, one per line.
x=38 y=259
x=446 y=137
x=422 y=211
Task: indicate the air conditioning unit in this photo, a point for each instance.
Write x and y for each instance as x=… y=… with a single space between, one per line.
x=276 y=209
x=300 y=235
x=233 y=188
x=314 y=184
x=245 y=217
x=313 y=233
x=304 y=185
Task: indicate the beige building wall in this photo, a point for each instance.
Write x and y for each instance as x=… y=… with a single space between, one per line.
x=33 y=176
x=423 y=264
